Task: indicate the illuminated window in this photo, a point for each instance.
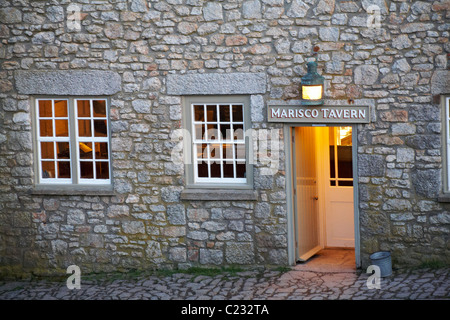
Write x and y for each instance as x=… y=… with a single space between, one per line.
x=219 y=142
x=341 y=172
x=219 y=146
x=73 y=143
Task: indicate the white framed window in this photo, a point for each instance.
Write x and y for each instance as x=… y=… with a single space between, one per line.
x=219 y=141
x=92 y=138
x=340 y=148
x=72 y=139
x=53 y=148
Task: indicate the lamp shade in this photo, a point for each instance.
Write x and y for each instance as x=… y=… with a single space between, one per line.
x=312 y=86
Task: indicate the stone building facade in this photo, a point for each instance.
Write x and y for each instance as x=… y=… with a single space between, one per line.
x=144 y=58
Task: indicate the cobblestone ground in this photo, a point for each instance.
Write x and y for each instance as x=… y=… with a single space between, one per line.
x=250 y=285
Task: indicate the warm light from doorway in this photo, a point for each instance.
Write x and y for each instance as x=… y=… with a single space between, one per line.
x=344 y=135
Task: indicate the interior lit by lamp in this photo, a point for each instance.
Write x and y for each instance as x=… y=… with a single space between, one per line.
x=344 y=137
x=312 y=92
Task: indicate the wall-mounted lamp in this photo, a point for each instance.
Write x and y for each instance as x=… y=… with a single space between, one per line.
x=312 y=84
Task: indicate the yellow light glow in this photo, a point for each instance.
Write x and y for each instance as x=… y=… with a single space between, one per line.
x=312 y=92
x=344 y=136
x=84 y=147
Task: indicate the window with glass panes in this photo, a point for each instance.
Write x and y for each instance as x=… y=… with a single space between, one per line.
x=219 y=142
x=341 y=172
x=73 y=142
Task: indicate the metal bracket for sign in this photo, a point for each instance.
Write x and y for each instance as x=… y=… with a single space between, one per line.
x=323 y=114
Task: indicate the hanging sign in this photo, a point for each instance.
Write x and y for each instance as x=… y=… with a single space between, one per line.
x=322 y=114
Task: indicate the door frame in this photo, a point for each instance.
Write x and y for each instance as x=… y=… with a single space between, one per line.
x=290 y=169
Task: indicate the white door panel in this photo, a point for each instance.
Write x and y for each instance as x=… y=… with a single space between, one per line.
x=339 y=217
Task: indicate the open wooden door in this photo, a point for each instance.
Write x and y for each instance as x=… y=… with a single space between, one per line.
x=306 y=192
x=339 y=190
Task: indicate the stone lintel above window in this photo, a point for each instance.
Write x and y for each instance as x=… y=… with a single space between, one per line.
x=216 y=83
x=68 y=82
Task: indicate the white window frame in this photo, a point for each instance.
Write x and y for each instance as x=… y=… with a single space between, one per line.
x=93 y=140
x=53 y=139
x=337 y=179
x=74 y=141
x=192 y=171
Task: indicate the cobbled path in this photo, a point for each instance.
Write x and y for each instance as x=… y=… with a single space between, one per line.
x=295 y=284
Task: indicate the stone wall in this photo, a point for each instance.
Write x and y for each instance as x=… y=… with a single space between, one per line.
x=399 y=66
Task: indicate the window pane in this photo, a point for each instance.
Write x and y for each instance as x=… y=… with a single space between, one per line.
x=240 y=151
x=238 y=133
x=48 y=169
x=61 y=128
x=200 y=131
x=332 y=167
x=333 y=183
x=85 y=150
x=214 y=151
x=345 y=161
x=202 y=169
x=224 y=115
x=344 y=136
x=228 y=169
x=199 y=113
x=99 y=107
x=86 y=170
x=101 y=150
x=215 y=170
x=45 y=108
x=227 y=151
x=345 y=183
x=240 y=169
x=237 y=113
x=102 y=170
x=212 y=133
x=63 y=151
x=61 y=108
x=332 y=160
x=46 y=128
x=225 y=131
x=84 y=128
x=84 y=109
x=202 y=151
x=100 y=128
x=211 y=112
x=64 y=169
x=47 y=151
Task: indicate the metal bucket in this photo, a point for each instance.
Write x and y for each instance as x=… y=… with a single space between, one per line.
x=382 y=259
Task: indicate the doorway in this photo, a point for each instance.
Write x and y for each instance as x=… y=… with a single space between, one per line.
x=323 y=170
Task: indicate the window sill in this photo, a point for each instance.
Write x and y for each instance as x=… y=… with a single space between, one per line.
x=219 y=194
x=444 y=197
x=73 y=190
